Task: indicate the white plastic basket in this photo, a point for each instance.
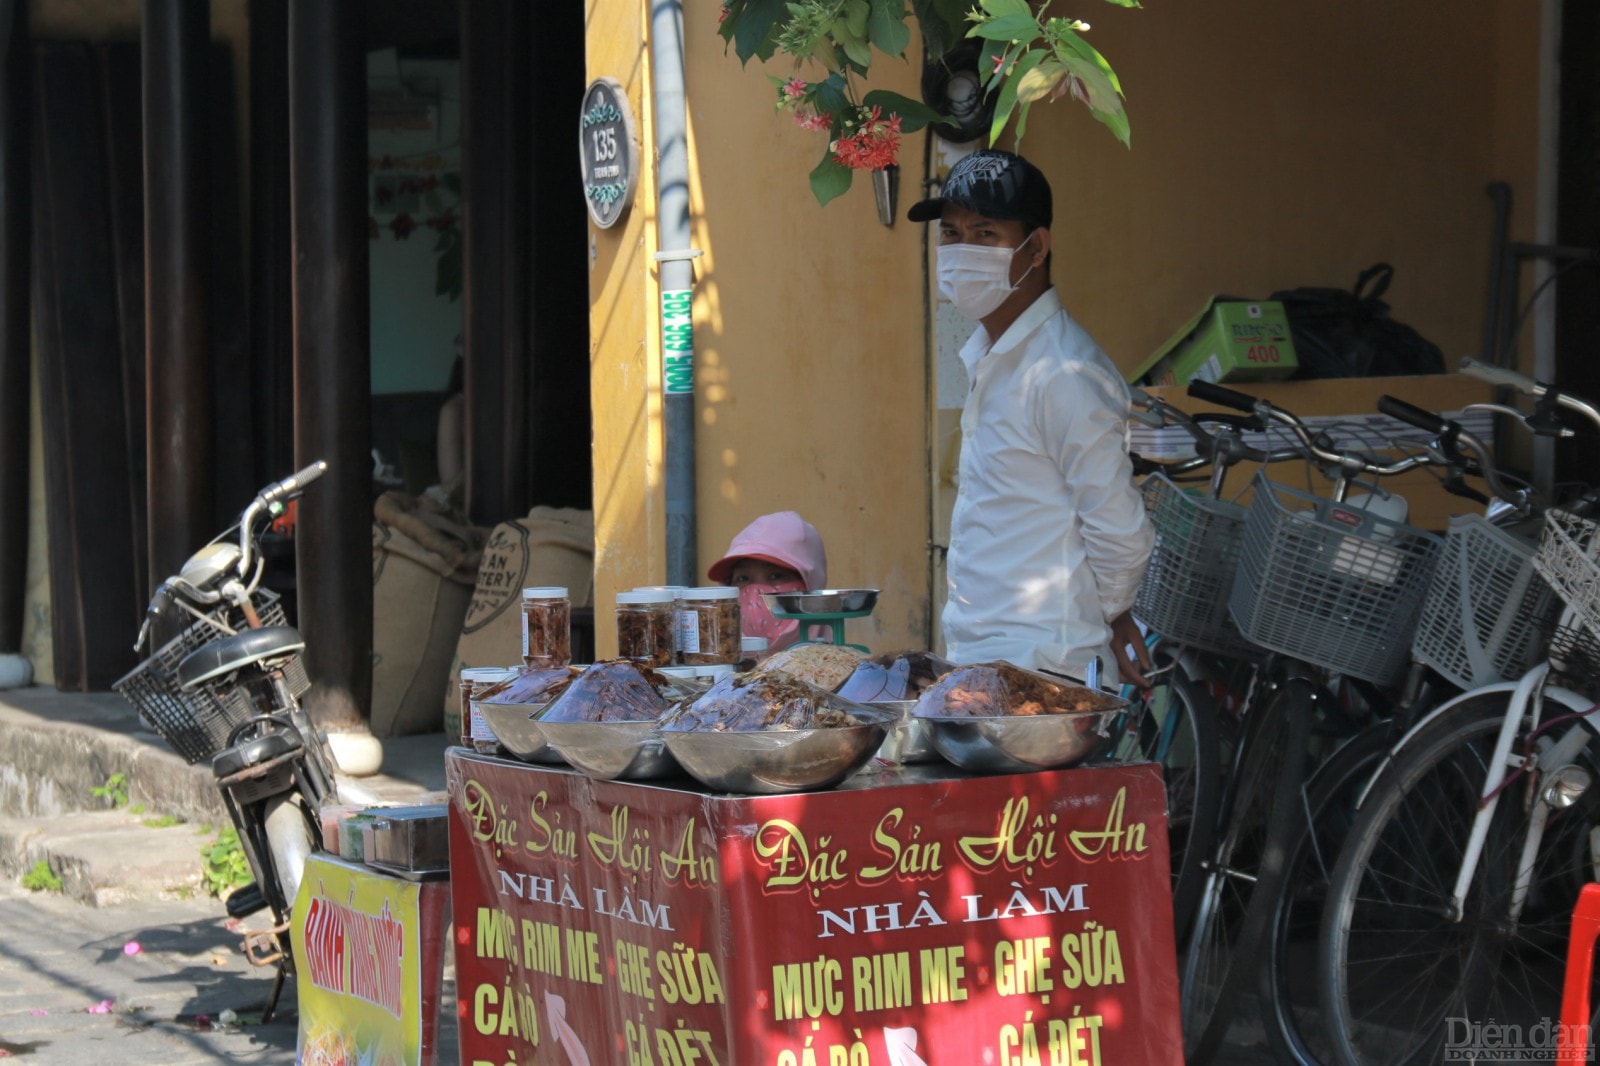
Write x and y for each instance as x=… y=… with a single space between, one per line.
x=1330 y=583
x=1482 y=621
x=1184 y=594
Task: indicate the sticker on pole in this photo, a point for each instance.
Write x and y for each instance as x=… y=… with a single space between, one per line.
x=677 y=342
x=608 y=150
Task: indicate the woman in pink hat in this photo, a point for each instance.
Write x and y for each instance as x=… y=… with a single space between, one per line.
x=779 y=552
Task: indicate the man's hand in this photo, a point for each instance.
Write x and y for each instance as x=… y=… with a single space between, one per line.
x=1125 y=636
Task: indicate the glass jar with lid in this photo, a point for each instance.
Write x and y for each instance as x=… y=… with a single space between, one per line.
x=546 y=627
x=751 y=651
x=647 y=626
x=708 y=626
x=475 y=732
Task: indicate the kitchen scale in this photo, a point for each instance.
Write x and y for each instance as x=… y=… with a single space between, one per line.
x=827 y=607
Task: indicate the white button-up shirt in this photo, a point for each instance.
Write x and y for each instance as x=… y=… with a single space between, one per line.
x=1048 y=539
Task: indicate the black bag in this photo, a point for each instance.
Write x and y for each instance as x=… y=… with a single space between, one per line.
x=1339 y=334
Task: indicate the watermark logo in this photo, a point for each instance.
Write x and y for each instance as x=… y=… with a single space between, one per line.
x=1466 y=1040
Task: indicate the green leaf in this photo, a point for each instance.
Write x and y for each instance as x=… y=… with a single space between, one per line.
x=1102 y=94
x=856 y=13
x=1126 y=3
x=752 y=25
x=914 y=114
x=830 y=179
x=1007 y=7
x=1117 y=122
x=992 y=50
x=831 y=95
x=888 y=28
x=1007 y=101
x=943 y=23
x=1073 y=42
x=1015 y=27
x=854 y=44
x=1041 y=81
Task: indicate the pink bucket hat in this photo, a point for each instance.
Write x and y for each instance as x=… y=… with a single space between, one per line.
x=783 y=538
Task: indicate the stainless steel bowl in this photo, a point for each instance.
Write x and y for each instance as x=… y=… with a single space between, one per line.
x=909 y=739
x=822 y=601
x=770 y=761
x=513 y=725
x=612 y=751
x=1013 y=744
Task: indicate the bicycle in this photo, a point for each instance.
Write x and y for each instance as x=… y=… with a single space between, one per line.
x=1326 y=587
x=1472 y=631
x=1448 y=904
x=1182 y=600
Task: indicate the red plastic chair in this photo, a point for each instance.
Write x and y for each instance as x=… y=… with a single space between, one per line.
x=1572 y=1048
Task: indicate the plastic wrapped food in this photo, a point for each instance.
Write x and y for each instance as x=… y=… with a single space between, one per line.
x=994 y=690
x=530 y=686
x=762 y=699
x=826 y=666
x=616 y=690
x=902 y=675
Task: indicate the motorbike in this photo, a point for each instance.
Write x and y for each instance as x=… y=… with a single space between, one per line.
x=226 y=688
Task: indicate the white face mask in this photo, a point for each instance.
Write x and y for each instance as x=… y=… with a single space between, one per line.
x=976 y=278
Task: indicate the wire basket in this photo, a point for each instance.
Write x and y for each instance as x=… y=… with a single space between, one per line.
x=1330 y=583
x=1184 y=594
x=196 y=723
x=1483 y=619
x=1566 y=559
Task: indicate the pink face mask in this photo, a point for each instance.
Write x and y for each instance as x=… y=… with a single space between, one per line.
x=756 y=620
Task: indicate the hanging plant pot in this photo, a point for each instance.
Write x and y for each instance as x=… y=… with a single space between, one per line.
x=886 y=190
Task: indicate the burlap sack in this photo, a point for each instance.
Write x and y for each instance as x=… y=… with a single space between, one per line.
x=419 y=599
x=552 y=546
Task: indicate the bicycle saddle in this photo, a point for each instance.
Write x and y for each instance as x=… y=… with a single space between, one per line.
x=242 y=649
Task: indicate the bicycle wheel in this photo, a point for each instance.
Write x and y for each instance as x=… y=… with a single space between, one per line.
x=1177 y=729
x=1246 y=868
x=1290 y=1009
x=1402 y=981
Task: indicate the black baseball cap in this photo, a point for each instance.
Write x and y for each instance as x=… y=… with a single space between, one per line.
x=995 y=184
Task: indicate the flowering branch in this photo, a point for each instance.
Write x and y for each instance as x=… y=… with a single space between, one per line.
x=1026 y=58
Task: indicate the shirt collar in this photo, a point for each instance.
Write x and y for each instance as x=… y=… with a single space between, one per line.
x=1034 y=316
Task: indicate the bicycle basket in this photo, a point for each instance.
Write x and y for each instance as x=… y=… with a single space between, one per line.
x=1566 y=559
x=1330 y=583
x=1481 y=621
x=1184 y=594
x=196 y=723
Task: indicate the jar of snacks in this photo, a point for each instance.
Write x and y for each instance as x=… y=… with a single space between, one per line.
x=546 y=627
x=646 y=626
x=708 y=626
x=475 y=732
x=751 y=651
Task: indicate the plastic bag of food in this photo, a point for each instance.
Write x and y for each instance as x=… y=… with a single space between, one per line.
x=761 y=699
x=616 y=690
x=993 y=690
x=532 y=685
x=901 y=675
x=827 y=666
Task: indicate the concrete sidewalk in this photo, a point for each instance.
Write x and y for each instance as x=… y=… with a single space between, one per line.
x=56 y=748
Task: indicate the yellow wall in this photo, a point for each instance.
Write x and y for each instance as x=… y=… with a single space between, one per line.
x=811 y=374
x=1274 y=145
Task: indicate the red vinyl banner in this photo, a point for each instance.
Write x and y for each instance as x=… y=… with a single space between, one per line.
x=910 y=918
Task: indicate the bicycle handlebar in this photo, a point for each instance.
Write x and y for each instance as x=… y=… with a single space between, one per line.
x=1423 y=419
x=1211 y=392
x=1499 y=375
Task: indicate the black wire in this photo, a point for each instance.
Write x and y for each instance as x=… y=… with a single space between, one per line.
x=1527 y=306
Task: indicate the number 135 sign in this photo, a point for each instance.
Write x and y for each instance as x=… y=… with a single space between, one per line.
x=608 y=150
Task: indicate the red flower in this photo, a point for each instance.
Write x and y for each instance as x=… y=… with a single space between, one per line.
x=872 y=147
x=440 y=223
x=402 y=225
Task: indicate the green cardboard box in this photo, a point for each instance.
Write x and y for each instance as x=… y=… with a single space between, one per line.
x=1229 y=340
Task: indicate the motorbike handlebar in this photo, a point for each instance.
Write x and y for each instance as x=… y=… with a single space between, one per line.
x=292 y=485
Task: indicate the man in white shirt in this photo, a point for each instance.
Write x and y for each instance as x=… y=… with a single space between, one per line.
x=1049 y=538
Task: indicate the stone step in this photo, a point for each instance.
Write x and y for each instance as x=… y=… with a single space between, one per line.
x=108 y=857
